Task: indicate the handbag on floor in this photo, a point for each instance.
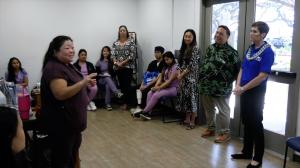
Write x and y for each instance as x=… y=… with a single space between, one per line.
x=24 y=105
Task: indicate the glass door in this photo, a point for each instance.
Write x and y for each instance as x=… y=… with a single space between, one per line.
x=279 y=15
x=238 y=16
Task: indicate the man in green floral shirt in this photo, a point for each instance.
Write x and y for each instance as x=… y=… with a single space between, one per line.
x=218 y=70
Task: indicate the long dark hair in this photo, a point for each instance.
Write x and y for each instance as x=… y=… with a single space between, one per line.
x=54 y=46
x=123 y=26
x=11 y=76
x=167 y=54
x=81 y=50
x=8 y=130
x=185 y=52
x=110 y=63
x=101 y=55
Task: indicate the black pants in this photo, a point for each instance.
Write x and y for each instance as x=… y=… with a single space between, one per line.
x=64 y=148
x=252 y=104
x=125 y=77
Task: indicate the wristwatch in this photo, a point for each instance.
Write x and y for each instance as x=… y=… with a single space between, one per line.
x=242 y=88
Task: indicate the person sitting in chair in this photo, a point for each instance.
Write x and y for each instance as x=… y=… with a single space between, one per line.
x=104 y=68
x=150 y=77
x=166 y=86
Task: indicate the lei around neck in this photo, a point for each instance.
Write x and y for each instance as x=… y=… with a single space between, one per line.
x=258 y=53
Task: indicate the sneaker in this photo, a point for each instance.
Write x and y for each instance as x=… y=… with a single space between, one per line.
x=145 y=116
x=108 y=107
x=88 y=108
x=135 y=110
x=93 y=106
x=136 y=114
x=119 y=94
x=132 y=110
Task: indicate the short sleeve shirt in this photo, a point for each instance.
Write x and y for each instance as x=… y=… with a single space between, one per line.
x=63 y=115
x=168 y=72
x=20 y=76
x=263 y=63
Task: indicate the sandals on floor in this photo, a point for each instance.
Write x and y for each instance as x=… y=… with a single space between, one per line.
x=190 y=126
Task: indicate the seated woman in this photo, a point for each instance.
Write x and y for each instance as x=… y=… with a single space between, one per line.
x=12 y=139
x=104 y=68
x=16 y=74
x=150 y=77
x=86 y=68
x=166 y=85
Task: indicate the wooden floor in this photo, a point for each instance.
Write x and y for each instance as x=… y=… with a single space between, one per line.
x=114 y=140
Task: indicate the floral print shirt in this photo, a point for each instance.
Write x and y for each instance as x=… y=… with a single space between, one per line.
x=218 y=70
x=121 y=53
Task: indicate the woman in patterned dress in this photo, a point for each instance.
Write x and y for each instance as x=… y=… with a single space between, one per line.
x=189 y=60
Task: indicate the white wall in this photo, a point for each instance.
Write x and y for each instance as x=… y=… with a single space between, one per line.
x=154 y=27
x=186 y=16
x=163 y=22
x=28 y=26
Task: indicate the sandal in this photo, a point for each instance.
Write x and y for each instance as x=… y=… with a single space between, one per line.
x=222 y=138
x=190 y=126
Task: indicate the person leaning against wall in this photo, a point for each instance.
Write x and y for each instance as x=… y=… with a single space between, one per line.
x=251 y=86
x=124 y=55
x=218 y=70
x=64 y=96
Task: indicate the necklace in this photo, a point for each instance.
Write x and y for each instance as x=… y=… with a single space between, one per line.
x=257 y=54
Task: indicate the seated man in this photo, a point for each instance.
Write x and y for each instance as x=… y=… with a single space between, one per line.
x=150 y=77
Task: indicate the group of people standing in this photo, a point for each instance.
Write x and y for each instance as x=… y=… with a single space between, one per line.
x=218 y=69
x=210 y=77
x=68 y=89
